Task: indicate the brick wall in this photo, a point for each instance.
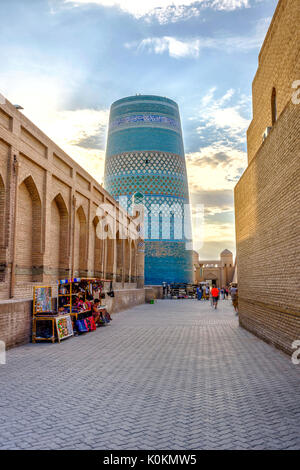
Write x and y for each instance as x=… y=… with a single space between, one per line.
x=279 y=67
x=125 y=298
x=15 y=322
x=267 y=207
x=48 y=220
x=267 y=197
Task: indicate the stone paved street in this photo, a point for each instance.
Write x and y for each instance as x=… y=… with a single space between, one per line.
x=174 y=375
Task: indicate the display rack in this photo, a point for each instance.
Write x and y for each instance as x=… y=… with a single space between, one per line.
x=60 y=325
x=183 y=291
x=68 y=289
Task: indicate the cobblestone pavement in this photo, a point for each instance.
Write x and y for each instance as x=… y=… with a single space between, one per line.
x=174 y=375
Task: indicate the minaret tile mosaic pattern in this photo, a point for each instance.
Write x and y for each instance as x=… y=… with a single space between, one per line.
x=145 y=158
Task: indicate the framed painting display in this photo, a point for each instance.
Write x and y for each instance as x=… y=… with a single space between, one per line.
x=64 y=327
x=42 y=299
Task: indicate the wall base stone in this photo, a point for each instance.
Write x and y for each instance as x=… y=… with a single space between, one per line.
x=274 y=325
x=157 y=291
x=149 y=294
x=124 y=299
x=15 y=322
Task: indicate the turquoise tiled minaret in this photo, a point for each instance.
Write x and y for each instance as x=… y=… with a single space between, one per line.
x=145 y=160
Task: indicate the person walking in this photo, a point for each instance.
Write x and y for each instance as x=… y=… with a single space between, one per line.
x=199 y=292
x=234 y=297
x=210 y=299
x=207 y=292
x=222 y=292
x=215 y=296
x=164 y=286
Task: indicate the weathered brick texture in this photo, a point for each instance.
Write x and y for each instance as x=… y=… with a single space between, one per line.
x=267 y=197
x=15 y=322
x=267 y=205
x=278 y=68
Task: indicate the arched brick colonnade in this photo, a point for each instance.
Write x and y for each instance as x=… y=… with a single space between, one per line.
x=49 y=216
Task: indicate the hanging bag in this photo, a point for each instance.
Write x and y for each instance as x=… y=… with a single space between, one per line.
x=92 y=323
x=86 y=325
x=87 y=320
x=81 y=326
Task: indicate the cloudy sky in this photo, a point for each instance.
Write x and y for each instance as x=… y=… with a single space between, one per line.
x=66 y=61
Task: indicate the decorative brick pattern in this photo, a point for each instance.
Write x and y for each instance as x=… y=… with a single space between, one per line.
x=15 y=322
x=158 y=174
x=144 y=119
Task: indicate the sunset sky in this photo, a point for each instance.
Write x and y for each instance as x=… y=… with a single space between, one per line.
x=66 y=61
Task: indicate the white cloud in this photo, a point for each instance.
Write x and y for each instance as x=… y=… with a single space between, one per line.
x=165 y=10
x=214 y=210
x=214 y=170
x=216 y=232
x=207 y=172
x=174 y=47
x=229 y=5
x=217 y=115
x=192 y=47
x=212 y=232
x=42 y=98
x=262 y=26
x=217 y=225
x=207 y=98
x=69 y=128
x=228 y=95
x=229 y=118
x=172 y=14
x=76 y=125
x=137 y=8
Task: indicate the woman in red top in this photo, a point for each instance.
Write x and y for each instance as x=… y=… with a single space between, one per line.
x=215 y=296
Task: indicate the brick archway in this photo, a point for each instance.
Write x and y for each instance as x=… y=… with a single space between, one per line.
x=80 y=245
x=126 y=260
x=133 y=255
x=109 y=254
x=97 y=250
x=29 y=232
x=59 y=236
x=119 y=257
x=2 y=224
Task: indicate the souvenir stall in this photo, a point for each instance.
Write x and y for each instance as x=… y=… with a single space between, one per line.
x=47 y=324
x=75 y=296
x=191 y=290
x=178 y=291
x=182 y=291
